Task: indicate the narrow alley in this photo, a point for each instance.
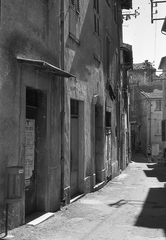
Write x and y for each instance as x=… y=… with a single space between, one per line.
x=131 y=206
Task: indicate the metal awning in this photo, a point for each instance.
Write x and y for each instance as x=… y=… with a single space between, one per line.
x=45 y=67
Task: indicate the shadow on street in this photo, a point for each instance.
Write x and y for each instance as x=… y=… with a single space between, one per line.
x=153 y=209
x=153 y=214
x=139 y=157
x=156 y=170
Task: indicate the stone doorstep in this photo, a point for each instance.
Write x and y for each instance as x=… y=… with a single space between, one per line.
x=99 y=186
x=77 y=197
x=41 y=219
x=7 y=237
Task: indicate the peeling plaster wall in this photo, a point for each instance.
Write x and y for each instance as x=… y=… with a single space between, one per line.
x=91 y=80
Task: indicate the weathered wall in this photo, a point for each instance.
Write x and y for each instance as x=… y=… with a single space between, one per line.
x=28 y=29
x=155 y=116
x=85 y=57
x=79 y=59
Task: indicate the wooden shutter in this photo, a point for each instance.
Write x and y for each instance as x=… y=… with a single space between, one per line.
x=78 y=6
x=72 y=2
x=163 y=130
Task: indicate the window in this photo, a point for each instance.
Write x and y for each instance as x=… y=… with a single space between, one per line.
x=108 y=119
x=108 y=2
x=96 y=5
x=96 y=17
x=74 y=24
x=75 y=4
x=159 y=105
x=158 y=127
x=32 y=97
x=163 y=128
x=115 y=11
x=108 y=56
x=74 y=108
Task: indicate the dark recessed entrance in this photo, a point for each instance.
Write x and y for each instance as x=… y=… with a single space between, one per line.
x=35 y=135
x=74 y=147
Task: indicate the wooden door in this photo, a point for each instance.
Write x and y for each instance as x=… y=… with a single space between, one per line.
x=74 y=145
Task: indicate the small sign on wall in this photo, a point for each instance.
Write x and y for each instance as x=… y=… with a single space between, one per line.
x=29 y=148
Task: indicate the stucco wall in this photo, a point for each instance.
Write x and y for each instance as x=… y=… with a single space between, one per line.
x=28 y=29
x=155 y=116
x=91 y=76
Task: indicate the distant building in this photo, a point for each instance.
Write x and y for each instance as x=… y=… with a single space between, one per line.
x=145 y=108
x=163 y=67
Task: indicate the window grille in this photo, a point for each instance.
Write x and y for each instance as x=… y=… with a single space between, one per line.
x=74 y=107
x=158 y=105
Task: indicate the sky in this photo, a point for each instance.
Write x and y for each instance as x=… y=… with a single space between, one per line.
x=148 y=43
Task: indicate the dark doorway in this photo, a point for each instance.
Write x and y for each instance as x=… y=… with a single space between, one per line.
x=98 y=142
x=35 y=135
x=74 y=147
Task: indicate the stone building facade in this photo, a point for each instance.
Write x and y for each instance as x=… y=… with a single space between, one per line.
x=63 y=104
x=145 y=108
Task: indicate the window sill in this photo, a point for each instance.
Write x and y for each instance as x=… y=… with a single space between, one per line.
x=74 y=38
x=97 y=58
x=96 y=35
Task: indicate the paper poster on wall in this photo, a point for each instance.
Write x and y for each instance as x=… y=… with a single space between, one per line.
x=29 y=147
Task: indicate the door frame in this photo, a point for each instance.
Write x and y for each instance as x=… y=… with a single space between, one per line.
x=81 y=145
x=42 y=82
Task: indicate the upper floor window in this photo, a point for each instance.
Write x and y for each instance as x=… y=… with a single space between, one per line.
x=158 y=127
x=108 y=56
x=75 y=4
x=74 y=22
x=115 y=11
x=96 y=17
x=108 y=2
x=158 y=105
x=108 y=119
x=74 y=107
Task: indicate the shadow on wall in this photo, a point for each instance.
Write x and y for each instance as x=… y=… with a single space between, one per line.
x=82 y=59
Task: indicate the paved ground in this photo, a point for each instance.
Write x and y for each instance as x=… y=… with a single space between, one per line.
x=130 y=207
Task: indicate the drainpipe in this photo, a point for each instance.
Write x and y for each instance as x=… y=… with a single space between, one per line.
x=119 y=86
x=150 y=124
x=62 y=100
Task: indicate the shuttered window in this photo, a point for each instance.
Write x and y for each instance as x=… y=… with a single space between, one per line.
x=108 y=2
x=74 y=22
x=164 y=130
x=115 y=11
x=96 y=17
x=108 y=56
x=75 y=4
